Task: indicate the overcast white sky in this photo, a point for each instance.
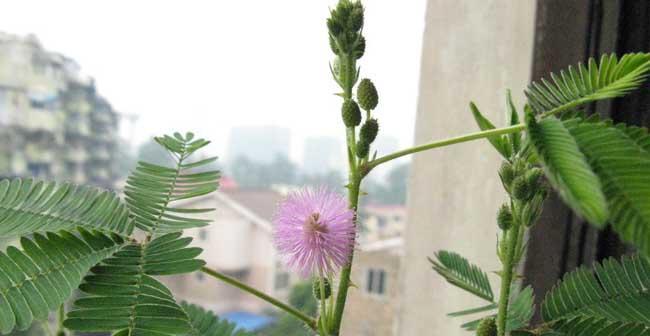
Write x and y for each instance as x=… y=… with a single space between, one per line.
x=208 y=66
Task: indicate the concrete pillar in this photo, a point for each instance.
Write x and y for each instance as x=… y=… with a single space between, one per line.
x=472 y=50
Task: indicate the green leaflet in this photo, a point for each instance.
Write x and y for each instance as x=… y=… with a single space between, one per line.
x=520 y=311
x=602 y=327
x=567 y=168
x=123 y=295
x=152 y=189
x=617 y=155
x=574 y=87
x=460 y=273
x=41 y=276
x=614 y=291
x=28 y=206
x=206 y=323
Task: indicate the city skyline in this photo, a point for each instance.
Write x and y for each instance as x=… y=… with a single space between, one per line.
x=173 y=75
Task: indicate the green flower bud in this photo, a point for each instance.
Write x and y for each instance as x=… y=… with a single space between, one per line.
x=362 y=149
x=334 y=26
x=369 y=130
x=487 y=327
x=355 y=22
x=360 y=48
x=521 y=189
x=316 y=288
x=534 y=177
x=507 y=174
x=351 y=113
x=333 y=46
x=367 y=95
x=504 y=217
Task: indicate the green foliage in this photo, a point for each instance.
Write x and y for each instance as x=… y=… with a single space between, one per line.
x=601 y=170
x=302 y=298
x=123 y=295
x=41 y=276
x=567 y=168
x=520 y=311
x=574 y=87
x=460 y=273
x=601 y=327
x=499 y=142
x=28 y=206
x=614 y=292
x=152 y=189
x=206 y=323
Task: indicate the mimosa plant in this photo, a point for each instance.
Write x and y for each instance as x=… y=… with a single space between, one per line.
x=113 y=249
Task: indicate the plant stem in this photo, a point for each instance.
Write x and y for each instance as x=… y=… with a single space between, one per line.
x=61 y=315
x=344 y=282
x=512 y=237
x=234 y=282
x=445 y=142
x=323 y=310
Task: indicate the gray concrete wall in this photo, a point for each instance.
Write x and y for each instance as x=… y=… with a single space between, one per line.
x=472 y=50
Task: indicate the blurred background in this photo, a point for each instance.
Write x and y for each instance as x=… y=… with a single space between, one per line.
x=84 y=86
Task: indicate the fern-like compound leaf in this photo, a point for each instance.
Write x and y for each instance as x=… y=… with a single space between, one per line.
x=28 y=206
x=123 y=296
x=460 y=273
x=206 y=323
x=520 y=311
x=578 y=86
x=567 y=168
x=579 y=326
x=152 y=190
x=613 y=293
x=41 y=276
x=618 y=155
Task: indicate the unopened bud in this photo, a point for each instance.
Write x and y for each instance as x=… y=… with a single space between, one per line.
x=351 y=113
x=326 y=287
x=504 y=217
x=369 y=130
x=487 y=327
x=367 y=95
x=362 y=149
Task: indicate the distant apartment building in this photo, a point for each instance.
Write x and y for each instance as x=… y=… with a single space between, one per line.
x=374 y=303
x=53 y=123
x=322 y=155
x=261 y=144
x=381 y=221
x=238 y=243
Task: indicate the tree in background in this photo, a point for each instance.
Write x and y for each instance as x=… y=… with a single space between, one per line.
x=391 y=191
x=301 y=297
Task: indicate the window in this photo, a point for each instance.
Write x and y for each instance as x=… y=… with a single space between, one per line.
x=376 y=281
x=203 y=234
x=381 y=222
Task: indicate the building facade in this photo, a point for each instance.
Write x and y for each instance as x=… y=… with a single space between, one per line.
x=53 y=123
x=239 y=243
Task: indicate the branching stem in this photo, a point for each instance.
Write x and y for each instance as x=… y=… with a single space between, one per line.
x=234 y=282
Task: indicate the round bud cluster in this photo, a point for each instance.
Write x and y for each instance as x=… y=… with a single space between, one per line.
x=362 y=149
x=507 y=174
x=344 y=25
x=504 y=217
x=369 y=130
x=367 y=95
x=525 y=186
x=351 y=113
x=316 y=288
x=487 y=327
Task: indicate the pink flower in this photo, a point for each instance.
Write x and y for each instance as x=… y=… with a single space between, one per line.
x=315 y=231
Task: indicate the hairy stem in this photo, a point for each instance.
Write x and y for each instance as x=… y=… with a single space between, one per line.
x=442 y=143
x=234 y=282
x=512 y=242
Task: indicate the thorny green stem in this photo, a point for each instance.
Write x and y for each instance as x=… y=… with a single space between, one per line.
x=512 y=242
x=233 y=282
x=354 y=183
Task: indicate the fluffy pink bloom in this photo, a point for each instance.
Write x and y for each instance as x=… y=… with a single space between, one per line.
x=315 y=231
